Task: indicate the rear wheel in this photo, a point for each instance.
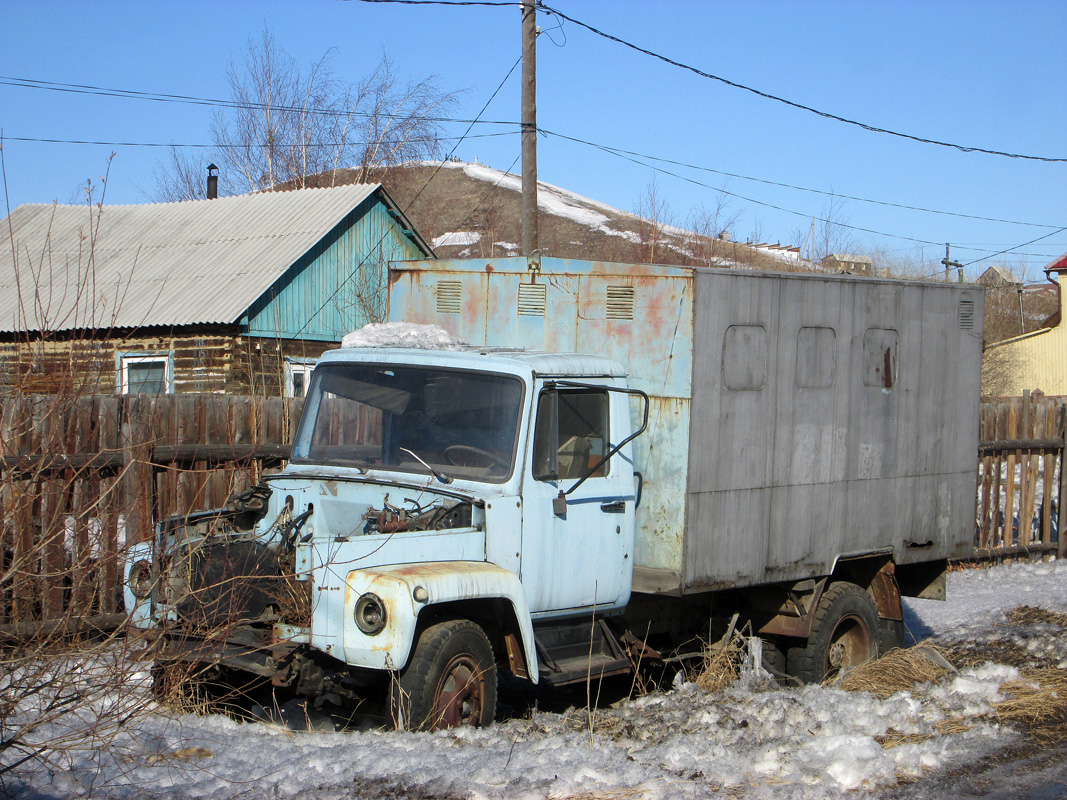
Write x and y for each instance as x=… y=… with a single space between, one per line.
x=844 y=634
x=450 y=680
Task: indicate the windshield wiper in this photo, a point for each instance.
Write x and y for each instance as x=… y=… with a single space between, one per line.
x=443 y=478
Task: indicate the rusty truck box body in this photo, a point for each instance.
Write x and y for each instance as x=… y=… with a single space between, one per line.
x=796 y=418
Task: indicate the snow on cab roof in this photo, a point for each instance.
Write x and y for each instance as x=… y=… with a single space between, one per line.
x=403 y=334
x=412 y=336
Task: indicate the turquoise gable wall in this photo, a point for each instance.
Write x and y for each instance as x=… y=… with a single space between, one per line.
x=340 y=284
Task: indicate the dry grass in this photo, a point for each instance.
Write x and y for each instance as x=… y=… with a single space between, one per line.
x=894 y=738
x=1037 y=705
x=633 y=793
x=1032 y=615
x=896 y=671
x=722 y=663
x=947 y=727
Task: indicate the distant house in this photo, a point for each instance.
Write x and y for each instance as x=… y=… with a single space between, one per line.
x=848 y=262
x=997 y=277
x=236 y=295
x=1036 y=360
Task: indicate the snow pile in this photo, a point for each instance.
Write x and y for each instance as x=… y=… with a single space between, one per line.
x=457 y=239
x=767 y=744
x=403 y=334
x=562 y=203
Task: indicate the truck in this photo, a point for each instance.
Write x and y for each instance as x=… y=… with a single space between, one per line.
x=590 y=466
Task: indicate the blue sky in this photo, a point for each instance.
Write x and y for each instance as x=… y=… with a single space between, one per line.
x=980 y=74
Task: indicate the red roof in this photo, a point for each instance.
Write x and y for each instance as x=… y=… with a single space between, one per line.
x=1059 y=265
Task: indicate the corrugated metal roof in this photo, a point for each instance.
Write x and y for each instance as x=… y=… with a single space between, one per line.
x=195 y=262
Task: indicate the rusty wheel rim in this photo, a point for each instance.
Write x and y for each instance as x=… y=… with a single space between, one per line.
x=850 y=645
x=460 y=694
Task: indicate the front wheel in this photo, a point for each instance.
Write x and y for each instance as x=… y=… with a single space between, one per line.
x=450 y=680
x=844 y=634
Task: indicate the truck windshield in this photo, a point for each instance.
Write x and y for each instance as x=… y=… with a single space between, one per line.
x=451 y=423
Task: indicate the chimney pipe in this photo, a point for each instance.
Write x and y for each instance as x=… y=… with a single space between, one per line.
x=212 y=182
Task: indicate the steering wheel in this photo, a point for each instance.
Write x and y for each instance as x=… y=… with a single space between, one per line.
x=463 y=455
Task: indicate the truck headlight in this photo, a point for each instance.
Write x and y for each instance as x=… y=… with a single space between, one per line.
x=369 y=614
x=140 y=580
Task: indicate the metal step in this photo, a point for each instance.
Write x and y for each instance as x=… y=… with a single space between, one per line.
x=576 y=651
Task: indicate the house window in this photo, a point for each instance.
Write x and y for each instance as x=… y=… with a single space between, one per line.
x=145 y=373
x=298 y=376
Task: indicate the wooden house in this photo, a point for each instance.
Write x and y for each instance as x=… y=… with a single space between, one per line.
x=1036 y=360
x=236 y=295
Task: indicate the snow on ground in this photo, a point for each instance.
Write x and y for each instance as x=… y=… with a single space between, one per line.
x=752 y=740
x=563 y=203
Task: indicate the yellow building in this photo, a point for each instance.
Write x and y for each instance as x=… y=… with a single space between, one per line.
x=1036 y=360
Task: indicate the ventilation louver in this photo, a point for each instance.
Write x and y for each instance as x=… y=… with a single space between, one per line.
x=966 y=315
x=449 y=297
x=533 y=299
x=620 y=302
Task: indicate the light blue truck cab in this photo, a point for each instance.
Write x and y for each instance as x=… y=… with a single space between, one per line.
x=438 y=505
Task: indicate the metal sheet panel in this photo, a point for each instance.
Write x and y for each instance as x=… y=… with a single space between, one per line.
x=804 y=470
x=203 y=261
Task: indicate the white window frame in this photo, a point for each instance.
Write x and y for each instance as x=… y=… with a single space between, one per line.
x=126 y=359
x=301 y=366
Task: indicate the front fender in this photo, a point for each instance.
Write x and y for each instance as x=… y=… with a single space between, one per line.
x=442 y=582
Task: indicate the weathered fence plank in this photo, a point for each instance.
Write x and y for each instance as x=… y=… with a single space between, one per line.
x=82 y=478
x=1021 y=483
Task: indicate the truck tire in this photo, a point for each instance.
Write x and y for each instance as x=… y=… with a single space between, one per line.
x=774 y=661
x=449 y=681
x=844 y=634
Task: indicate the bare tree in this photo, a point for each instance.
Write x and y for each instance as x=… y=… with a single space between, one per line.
x=655 y=215
x=714 y=230
x=830 y=234
x=295 y=129
x=69 y=685
x=181 y=178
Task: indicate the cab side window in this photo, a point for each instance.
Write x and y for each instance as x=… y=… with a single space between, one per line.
x=576 y=431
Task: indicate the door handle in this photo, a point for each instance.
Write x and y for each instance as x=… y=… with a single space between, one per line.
x=616 y=507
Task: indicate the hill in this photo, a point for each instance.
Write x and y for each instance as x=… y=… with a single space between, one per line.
x=474 y=211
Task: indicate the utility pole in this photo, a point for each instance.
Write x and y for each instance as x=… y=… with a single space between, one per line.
x=950 y=264
x=530 y=241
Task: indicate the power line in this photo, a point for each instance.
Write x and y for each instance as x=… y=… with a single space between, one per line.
x=1010 y=249
x=160 y=97
x=611 y=150
x=626 y=157
x=177 y=98
x=499 y=3
x=802 y=107
x=618 y=151
x=34 y=140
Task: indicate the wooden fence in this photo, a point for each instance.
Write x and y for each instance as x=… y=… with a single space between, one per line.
x=1021 y=483
x=82 y=478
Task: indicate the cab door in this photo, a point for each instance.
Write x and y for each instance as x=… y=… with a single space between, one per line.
x=577 y=551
